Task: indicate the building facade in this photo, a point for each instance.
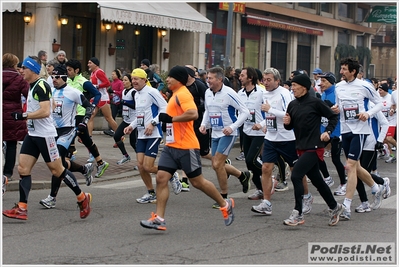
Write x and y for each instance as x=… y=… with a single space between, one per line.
x=287 y=36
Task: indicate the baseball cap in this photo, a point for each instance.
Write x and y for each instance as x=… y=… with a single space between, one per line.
x=329 y=76
x=317 y=71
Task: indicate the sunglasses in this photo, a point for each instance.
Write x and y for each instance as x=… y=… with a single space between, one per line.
x=57 y=76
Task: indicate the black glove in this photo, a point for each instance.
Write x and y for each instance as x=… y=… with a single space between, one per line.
x=110 y=91
x=165 y=118
x=379 y=145
x=82 y=127
x=19 y=116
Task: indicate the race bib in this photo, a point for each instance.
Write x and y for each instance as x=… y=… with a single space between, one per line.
x=30 y=125
x=385 y=112
x=140 y=119
x=125 y=111
x=324 y=121
x=251 y=118
x=57 y=112
x=351 y=113
x=216 y=120
x=170 y=137
x=271 y=122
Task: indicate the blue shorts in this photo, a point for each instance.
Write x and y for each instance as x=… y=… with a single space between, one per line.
x=148 y=146
x=353 y=145
x=223 y=145
x=65 y=136
x=285 y=149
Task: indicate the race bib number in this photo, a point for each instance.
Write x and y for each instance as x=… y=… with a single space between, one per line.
x=351 y=113
x=271 y=122
x=52 y=148
x=216 y=121
x=251 y=118
x=385 y=112
x=125 y=111
x=30 y=125
x=170 y=137
x=57 y=112
x=140 y=119
x=324 y=121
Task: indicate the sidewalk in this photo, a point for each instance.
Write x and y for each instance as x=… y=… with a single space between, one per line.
x=41 y=175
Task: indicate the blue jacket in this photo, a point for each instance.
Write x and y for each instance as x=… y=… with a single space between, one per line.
x=329 y=95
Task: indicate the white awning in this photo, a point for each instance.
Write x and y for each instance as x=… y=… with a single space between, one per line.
x=11 y=6
x=179 y=16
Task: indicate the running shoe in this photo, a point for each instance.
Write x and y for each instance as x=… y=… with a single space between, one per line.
x=4 y=147
x=294 y=219
x=393 y=148
x=5 y=182
x=364 y=207
x=216 y=205
x=341 y=190
x=329 y=181
x=228 y=161
x=123 y=160
x=16 y=213
x=228 y=212
x=391 y=159
x=241 y=156
x=84 y=206
x=377 y=197
x=282 y=186
x=257 y=195
x=91 y=159
x=307 y=204
x=48 y=202
x=176 y=185
x=346 y=214
x=154 y=223
x=327 y=154
x=147 y=198
x=185 y=187
x=101 y=169
x=246 y=182
x=263 y=208
x=89 y=167
x=335 y=213
x=387 y=190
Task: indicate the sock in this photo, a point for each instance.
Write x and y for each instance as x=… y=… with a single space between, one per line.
x=100 y=162
x=308 y=195
x=267 y=202
x=22 y=205
x=347 y=204
x=151 y=191
x=160 y=218
x=241 y=177
x=224 y=196
x=374 y=188
x=81 y=196
x=185 y=179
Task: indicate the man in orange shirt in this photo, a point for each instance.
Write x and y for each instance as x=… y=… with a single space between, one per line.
x=182 y=151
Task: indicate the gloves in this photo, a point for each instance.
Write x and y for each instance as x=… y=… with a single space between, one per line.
x=110 y=91
x=165 y=118
x=82 y=127
x=18 y=116
x=379 y=145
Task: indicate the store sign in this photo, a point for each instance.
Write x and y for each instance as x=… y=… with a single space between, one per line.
x=237 y=7
x=383 y=14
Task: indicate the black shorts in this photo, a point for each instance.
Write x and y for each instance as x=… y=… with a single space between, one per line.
x=46 y=146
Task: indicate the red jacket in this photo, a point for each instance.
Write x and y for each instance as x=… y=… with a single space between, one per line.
x=13 y=87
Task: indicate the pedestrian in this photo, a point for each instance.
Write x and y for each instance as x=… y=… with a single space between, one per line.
x=39 y=141
x=153 y=78
x=316 y=77
x=76 y=80
x=42 y=55
x=327 y=87
x=61 y=57
x=14 y=86
x=352 y=94
x=128 y=115
x=149 y=104
x=65 y=99
x=252 y=96
x=182 y=151
x=101 y=82
x=277 y=142
x=304 y=115
x=221 y=104
x=115 y=95
x=49 y=68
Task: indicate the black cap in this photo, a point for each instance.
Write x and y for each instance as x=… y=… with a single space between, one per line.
x=303 y=80
x=146 y=62
x=60 y=70
x=95 y=61
x=179 y=73
x=384 y=87
x=190 y=72
x=329 y=76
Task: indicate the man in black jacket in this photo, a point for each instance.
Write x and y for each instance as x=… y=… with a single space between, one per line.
x=304 y=115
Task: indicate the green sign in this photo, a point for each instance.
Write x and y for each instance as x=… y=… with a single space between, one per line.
x=383 y=14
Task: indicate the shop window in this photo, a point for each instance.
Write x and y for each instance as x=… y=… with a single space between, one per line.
x=279 y=35
x=343 y=38
x=307 y=5
x=216 y=55
x=279 y=58
x=360 y=40
x=251 y=55
x=360 y=14
x=304 y=39
x=303 y=58
x=221 y=19
x=344 y=10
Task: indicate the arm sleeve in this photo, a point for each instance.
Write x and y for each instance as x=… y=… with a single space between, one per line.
x=89 y=87
x=243 y=112
x=103 y=78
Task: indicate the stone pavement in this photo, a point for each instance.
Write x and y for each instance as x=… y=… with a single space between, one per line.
x=41 y=176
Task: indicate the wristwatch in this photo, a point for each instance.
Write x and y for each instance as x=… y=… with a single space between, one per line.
x=153 y=122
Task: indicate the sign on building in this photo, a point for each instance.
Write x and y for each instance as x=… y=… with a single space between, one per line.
x=237 y=7
x=383 y=14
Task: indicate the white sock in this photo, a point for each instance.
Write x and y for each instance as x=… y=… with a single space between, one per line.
x=374 y=188
x=347 y=204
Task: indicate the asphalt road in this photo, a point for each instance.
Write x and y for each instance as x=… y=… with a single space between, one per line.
x=196 y=233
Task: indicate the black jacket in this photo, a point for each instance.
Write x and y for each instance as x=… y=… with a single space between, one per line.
x=306 y=113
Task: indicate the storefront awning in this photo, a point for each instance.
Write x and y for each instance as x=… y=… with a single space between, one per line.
x=178 y=16
x=11 y=6
x=282 y=24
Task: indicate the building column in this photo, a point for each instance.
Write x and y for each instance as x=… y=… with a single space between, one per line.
x=292 y=47
x=236 y=52
x=268 y=40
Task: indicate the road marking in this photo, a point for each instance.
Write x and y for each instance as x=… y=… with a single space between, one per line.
x=123 y=185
